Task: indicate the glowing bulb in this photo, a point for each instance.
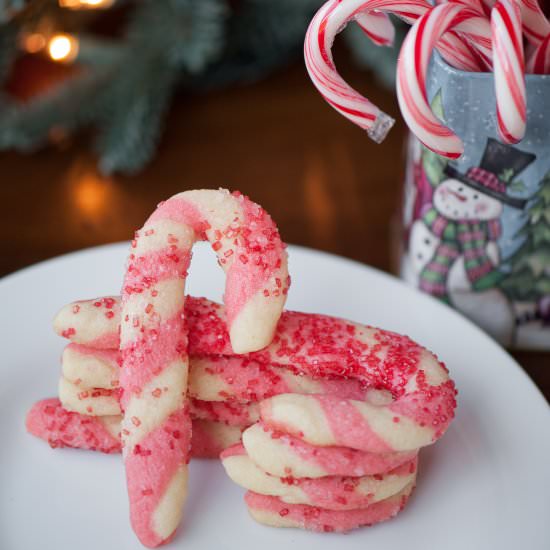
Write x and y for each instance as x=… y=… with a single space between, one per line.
x=34 y=42
x=63 y=47
x=83 y=4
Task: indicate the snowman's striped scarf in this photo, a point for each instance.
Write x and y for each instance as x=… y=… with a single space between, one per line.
x=463 y=237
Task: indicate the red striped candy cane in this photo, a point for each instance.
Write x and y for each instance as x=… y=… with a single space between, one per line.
x=461 y=55
x=156 y=427
x=377 y=26
x=482 y=6
x=333 y=17
x=539 y=62
x=509 y=69
x=536 y=26
x=412 y=69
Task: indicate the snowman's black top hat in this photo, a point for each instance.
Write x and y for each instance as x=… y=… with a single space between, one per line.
x=496 y=159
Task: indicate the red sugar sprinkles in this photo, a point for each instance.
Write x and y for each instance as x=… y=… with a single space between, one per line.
x=332 y=413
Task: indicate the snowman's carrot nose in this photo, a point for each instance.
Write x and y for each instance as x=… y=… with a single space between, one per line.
x=460 y=197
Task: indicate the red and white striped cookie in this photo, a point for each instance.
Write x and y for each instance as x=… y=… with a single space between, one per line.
x=283 y=455
x=325 y=420
x=88 y=401
x=214 y=378
x=104 y=402
x=229 y=413
x=211 y=438
x=319 y=346
x=273 y=511
x=50 y=421
x=237 y=378
x=423 y=396
x=153 y=342
x=89 y=367
x=94 y=322
x=330 y=493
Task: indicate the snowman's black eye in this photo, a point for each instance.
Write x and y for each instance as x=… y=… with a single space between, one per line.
x=460 y=189
x=476 y=196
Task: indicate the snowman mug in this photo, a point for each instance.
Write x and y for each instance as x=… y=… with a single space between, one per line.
x=476 y=231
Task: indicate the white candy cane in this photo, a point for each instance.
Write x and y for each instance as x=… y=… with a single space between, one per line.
x=333 y=17
x=539 y=61
x=536 y=26
x=377 y=26
x=412 y=71
x=509 y=69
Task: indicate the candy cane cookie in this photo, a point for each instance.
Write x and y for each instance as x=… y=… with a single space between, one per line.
x=153 y=342
x=272 y=511
x=422 y=394
x=323 y=347
x=226 y=378
x=91 y=368
x=212 y=378
x=283 y=455
x=209 y=438
x=94 y=323
x=330 y=493
x=88 y=401
x=105 y=402
x=229 y=413
x=50 y=421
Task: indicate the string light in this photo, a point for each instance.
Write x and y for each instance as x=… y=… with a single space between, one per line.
x=34 y=43
x=85 y=4
x=62 y=48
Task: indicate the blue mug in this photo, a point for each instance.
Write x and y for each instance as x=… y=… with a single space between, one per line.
x=477 y=230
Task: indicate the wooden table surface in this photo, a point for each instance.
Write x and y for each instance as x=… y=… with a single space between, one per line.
x=324 y=182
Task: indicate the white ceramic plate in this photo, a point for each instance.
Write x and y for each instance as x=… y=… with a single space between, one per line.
x=485 y=485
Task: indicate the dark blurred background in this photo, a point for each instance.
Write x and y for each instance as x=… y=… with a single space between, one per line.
x=109 y=107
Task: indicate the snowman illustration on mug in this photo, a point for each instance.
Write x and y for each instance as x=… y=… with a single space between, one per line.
x=453 y=242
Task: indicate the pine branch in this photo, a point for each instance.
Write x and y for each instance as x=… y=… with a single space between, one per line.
x=125 y=87
x=8 y=49
x=27 y=126
x=187 y=33
x=131 y=126
x=261 y=36
x=10 y=8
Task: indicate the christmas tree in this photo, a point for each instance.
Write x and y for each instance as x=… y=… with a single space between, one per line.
x=123 y=83
x=529 y=278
